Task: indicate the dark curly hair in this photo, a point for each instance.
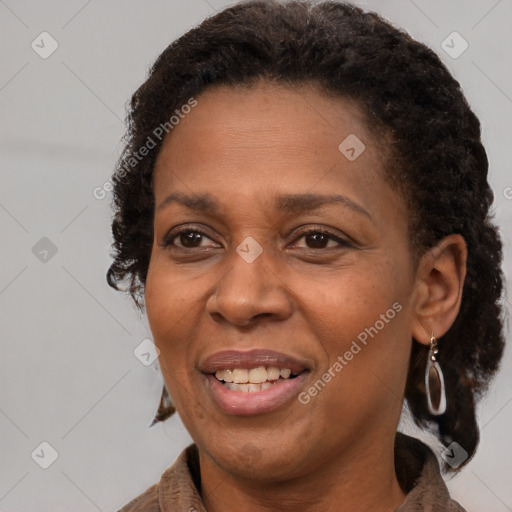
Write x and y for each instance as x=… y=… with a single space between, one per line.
x=439 y=165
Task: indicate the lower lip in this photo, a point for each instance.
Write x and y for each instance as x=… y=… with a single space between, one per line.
x=256 y=402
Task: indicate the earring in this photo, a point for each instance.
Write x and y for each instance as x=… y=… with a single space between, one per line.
x=434 y=382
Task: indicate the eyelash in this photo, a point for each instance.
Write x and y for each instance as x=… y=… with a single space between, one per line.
x=169 y=239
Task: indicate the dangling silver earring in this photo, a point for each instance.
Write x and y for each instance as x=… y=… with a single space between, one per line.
x=434 y=382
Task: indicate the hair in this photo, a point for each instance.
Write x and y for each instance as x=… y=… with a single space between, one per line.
x=432 y=138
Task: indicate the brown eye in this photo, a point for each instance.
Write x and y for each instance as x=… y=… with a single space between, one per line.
x=190 y=239
x=321 y=239
x=317 y=240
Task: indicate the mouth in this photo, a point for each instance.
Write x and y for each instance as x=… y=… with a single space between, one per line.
x=253 y=382
x=254 y=379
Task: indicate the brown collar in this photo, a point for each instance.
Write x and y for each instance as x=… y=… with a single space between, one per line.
x=416 y=466
x=419 y=476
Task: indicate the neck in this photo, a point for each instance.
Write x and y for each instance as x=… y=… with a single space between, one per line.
x=359 y=480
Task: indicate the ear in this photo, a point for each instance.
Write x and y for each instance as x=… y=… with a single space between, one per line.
x=438 y=289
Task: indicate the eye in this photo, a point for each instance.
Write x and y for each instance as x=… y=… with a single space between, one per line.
x=194 y=238
x=187 y=238
x=321 y=238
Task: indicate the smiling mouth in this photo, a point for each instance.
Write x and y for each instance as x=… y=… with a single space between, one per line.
x=252 y=380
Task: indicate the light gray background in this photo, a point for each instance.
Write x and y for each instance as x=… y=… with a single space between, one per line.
x=68 y=375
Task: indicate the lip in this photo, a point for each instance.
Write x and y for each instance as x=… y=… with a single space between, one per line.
x=257 y=402
x=230 y=359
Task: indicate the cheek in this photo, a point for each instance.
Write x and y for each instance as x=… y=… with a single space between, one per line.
x=345 y=305
x=170 y=295
x=363 y=326
x=169 y=307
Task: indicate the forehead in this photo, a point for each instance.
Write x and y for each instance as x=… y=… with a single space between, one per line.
x=248 y=148
x=270 y=131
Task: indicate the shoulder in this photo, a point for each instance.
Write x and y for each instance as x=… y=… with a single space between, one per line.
x=420 y=477
x=176 y=490
x=146 y=502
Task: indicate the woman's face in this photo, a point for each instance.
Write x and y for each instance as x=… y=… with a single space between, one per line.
x=293 y=254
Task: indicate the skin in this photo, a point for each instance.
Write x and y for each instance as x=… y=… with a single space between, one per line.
x=309 y=300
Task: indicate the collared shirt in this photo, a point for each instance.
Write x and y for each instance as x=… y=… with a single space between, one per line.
x=416 y=466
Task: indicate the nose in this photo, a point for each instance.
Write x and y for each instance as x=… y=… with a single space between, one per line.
x=249 y=292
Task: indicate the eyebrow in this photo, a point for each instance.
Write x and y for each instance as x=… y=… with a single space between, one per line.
x=289 y=203
x=297 y=203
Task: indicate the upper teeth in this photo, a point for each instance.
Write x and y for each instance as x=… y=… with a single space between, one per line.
x=254 y=375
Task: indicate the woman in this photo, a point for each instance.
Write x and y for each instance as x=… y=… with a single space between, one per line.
x=302 y=207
